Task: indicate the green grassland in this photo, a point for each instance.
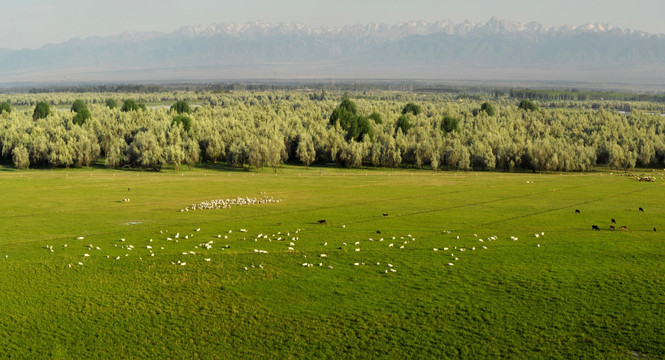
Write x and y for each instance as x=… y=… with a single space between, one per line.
x=569 y=293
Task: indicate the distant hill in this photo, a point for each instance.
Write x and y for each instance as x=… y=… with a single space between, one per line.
x=493 y=50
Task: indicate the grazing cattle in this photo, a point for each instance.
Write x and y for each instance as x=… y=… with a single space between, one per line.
x=385 y=214
x=378 y=231
x=624 y=228
x=642 y=210
x=654 y=229
x=614 y=221
x=612 y=227
x=595 y=227
x=322 y=222
x=577 y=211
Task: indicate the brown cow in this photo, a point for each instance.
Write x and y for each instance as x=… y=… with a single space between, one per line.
x=624 y=228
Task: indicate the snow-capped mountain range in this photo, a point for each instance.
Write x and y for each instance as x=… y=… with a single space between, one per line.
x=495 y=49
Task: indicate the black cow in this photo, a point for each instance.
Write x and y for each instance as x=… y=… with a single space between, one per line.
x=322 y=221
x=612 y=227
x=384 y=214
x=614 y=221
x=595 y=227
x=654 y=229
x=642 y=210
x=577 y=211
x=378 y=231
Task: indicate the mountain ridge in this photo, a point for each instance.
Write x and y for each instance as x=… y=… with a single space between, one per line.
x=415 y=49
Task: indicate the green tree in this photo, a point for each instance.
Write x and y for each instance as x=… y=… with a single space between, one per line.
x=305 y=151
x=20 y=157
x=5 y=106
x=449 y=124
x=376 y=117
x=215 y=148
x=132 y=105
x=42 y=110
x=181 y=107
x=82 y=112
x=359 y=126
x=411 y=108
x=464 y=162
x=528 y=105
x=185 y=121
x=488 y=108
x=81 y=116
x=344 y=114
x=403 y=124
x=111 y=103
x=78 y=105
x=129 y=105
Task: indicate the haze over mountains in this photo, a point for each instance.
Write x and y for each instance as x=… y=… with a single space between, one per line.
x=495 y=50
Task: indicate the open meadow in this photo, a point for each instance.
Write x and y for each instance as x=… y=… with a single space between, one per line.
x=408 y=264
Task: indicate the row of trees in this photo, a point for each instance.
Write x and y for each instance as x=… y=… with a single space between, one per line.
x=377 y=129
x=574 y=94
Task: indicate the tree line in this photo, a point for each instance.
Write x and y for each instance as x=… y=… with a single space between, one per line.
x=577 y=95
x=387 y=129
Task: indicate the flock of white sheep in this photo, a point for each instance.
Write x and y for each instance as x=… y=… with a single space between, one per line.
x=324 y=255
x=227 y=203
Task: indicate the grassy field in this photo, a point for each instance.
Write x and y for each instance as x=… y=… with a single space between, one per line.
x=569 y=293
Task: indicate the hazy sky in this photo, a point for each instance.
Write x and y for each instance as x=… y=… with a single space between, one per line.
x=33 y=23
